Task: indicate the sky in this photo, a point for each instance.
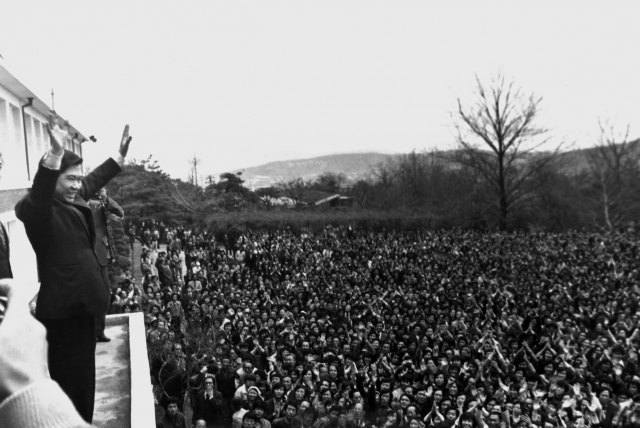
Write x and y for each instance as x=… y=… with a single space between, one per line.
x=241 y=83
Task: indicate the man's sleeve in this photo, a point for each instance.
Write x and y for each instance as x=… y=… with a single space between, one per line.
x=36 y=207
x=42 y=404
x=115 y=208
x=98 y=178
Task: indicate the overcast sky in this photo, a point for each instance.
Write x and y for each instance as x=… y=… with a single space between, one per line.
x=243 y=83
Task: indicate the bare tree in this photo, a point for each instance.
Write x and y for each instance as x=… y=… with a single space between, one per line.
x=614 y=167
x=295 y=189
x=498 y=138
x=193 y=163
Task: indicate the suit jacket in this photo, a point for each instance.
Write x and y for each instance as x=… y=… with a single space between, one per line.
x=5 y=265
x=208 y=408
x=284 y=423
x=99 y=219
x=72 y=280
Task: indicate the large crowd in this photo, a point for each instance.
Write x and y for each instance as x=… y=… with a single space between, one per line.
x=351 y=328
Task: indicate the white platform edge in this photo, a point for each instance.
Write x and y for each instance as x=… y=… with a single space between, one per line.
x=143 y=413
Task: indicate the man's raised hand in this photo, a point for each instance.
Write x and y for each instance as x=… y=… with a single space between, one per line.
x=124 y=144
x=57 y=135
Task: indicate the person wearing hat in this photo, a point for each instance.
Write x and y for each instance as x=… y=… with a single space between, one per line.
x=74 y=286
x=241 y=392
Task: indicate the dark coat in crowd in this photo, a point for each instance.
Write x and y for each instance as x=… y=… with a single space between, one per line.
x=208 y=408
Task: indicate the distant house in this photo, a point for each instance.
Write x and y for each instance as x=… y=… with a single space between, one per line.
x=325 y=199
x=23 y=142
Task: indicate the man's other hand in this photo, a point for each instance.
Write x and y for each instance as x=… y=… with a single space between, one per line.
x=23 y=359
x=57 y=135
x=124 y=144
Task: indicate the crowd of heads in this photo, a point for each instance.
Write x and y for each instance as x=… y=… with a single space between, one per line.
x=398 y=329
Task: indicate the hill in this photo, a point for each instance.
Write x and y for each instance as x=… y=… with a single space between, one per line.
x=353 y=165
x=356 y=166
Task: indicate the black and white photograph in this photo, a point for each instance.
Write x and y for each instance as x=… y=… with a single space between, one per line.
x=335 y=214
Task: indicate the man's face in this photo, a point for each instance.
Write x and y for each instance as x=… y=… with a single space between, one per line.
x=68 y=184
x=287 y=383
x=172 y=409
x=451 y=414
x=358 y=410
x=290 y=412
x=307 y=418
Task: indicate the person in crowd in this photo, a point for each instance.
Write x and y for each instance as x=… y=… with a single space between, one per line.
x=73 y=290
x=102 y=207
x=401 y=329
x=172 y=418
x=207 y=404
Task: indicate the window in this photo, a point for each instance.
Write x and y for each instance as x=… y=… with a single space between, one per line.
x=4 y=123
x=38 y=143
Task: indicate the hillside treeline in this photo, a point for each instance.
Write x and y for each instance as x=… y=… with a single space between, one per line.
x=505 y=173
x=597 y=189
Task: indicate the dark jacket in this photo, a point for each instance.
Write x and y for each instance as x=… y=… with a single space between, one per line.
x=208 y=408
x=178 y=421
x=285 y=423
x=100 y=210
x=226 y=382
x=5 y=266
x=73 y=283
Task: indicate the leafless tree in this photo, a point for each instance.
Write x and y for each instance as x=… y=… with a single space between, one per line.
x=193 y=171
x=614 y=167
x=295 y=189
x=498 y=138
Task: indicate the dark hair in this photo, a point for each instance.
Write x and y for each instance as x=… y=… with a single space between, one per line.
x=291 y=403
x=169 y=401
x=236 y=404
x=69 y=159
x=250 y=415
x=259 y=404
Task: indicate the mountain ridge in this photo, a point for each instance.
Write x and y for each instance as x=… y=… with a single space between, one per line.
x=358 y=165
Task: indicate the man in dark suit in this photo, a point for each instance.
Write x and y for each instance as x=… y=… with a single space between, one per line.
x=73 y=289
x=207 y=404
x=5 y=265
x=101 y=207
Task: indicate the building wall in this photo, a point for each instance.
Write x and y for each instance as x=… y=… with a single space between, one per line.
x=15 y=177
x=15 y=174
